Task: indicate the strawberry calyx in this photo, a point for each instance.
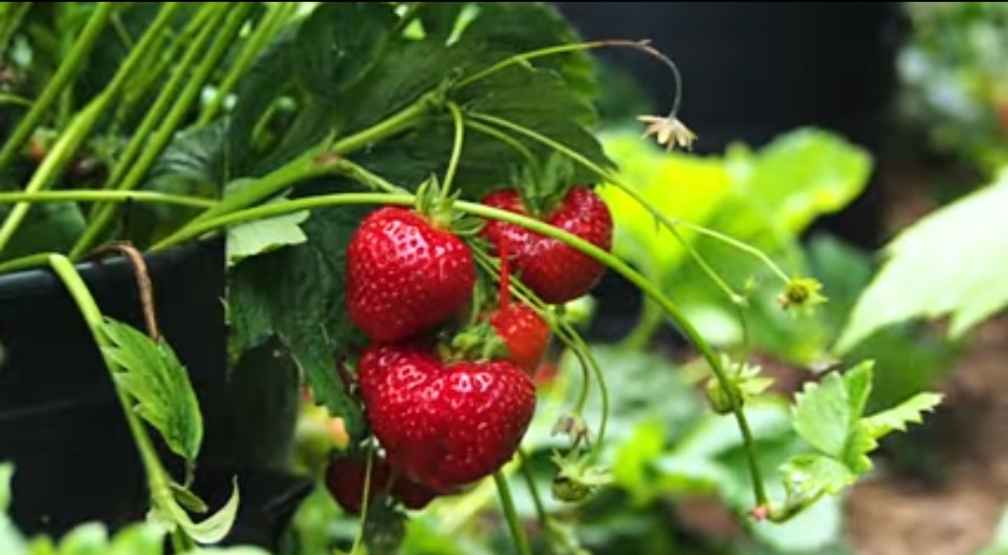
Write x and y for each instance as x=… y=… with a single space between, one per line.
x=475 y=342
x=436 y=205
x=544 y=187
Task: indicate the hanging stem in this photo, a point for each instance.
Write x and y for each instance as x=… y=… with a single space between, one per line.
x=507 y=503
x=159 y=139
x=456 y=153
x=60 y=80
x=143 y=282
x=359 y=539
x=533 y=489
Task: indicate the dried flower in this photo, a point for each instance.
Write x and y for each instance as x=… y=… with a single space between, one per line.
x=669 y=131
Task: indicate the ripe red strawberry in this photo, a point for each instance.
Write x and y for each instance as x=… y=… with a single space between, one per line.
x=404 y=276
x=345 y=481
x=524 y=332
x=444 y=425
x=556 y=272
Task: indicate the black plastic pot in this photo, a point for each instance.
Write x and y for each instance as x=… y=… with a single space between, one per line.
x=60 y=422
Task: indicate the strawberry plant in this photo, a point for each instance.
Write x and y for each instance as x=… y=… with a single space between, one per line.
x=379 y=169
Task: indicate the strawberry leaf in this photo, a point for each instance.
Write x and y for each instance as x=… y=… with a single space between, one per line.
x=822 y=415
x=969 y=285
x=897 y=418
x=153 y=376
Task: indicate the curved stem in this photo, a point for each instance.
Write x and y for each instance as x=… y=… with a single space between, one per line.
x=96 y=195
x=524 y=57
x=504 y=138
x=456 y=153
x=740 y=245
x=157 y=477
x=507 y=503
x=24 y=263
x=59 y=81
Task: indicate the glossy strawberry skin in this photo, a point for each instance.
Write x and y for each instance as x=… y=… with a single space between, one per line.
x=405 y=276
x=525 y=333
x=444 y=425
x=345 y=481
x=555 y=271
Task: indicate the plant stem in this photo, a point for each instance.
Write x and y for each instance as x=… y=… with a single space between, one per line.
x=136 y=170
x=507 y=503
x=60 y=80
x=92 y=195
x=263 y=33
x=196 y=229
x=365 y=499
x=13 y=14
x=156 y=476
x=740 y=245
x=82 y=124
x=24 y=263
x=456 y=147
x=533 y=489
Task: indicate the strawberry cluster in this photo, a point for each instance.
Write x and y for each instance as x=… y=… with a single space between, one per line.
x=444 y=421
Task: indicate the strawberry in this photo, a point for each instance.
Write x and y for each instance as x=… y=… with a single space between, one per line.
x=405 y=276
x=444 y=425
x=345 y=481
x=524 y=332
x=555 y=271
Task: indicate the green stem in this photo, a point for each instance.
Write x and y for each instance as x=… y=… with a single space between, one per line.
x=507 y=503
x=196 y=229
x=366 y=497
x=157 y=477
x=263 y=33
x=90 y=195
x=504 y=138
x=456 y=153
x=60 y=80
x=740 y=245
x=159 y=139
x=533 y=489
x=541 y=52
x=7 y=98
x=11 y=22
x=321 y=160
x=24 y=263
x=82 y=124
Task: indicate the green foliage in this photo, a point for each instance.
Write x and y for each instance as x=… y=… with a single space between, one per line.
x=766 y=199
x=153 y=376
x=968 y=284
x=829 y=416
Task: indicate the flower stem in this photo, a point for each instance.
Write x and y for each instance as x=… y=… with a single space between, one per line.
x=533 y=489
x=507 y=503
x=59 y=81
x=135 y=170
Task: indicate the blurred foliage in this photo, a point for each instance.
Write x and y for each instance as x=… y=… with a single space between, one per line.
x=955 y=79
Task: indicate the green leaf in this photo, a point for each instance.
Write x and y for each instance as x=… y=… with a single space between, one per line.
x=86 y=539
x=807 y=474
x=822 y=414
x=339 y=42
x=154 y=377
x=897 y=418
x=47 y=227
x=188 y=499
x=309 y=276
x=6 y=473
x=969 y=282
x=212 y=529
x=262 y=236
x=767 y=199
